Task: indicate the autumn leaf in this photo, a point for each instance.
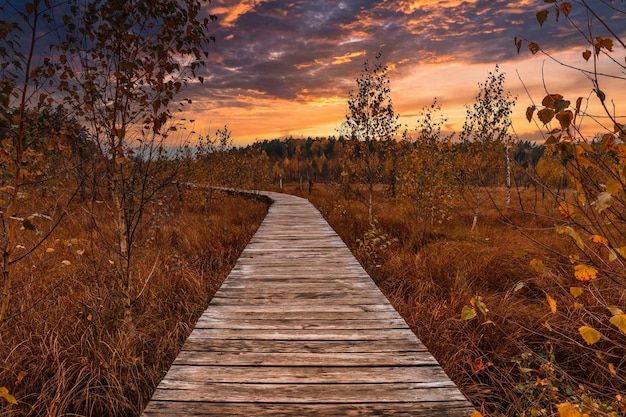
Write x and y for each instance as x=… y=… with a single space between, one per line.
x=619 y=321
x=566 y=8
x=551 y=303
x=529 y=112
x=603 y=201
x=613 y=187
x=570 y=230
x=584 y=273
x=4 y=393
x=568 y=410
x=567 y=210
x=589 y=334
x=542 y=16
x=533 y=47
x=537 y=264
x=476 y=414
x=545 y=115
x=468 y=313
x=519 y=253
x=576 y=291
x=565 y=118
x=599 y=240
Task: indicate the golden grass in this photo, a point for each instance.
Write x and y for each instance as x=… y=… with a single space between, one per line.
x=66 y=350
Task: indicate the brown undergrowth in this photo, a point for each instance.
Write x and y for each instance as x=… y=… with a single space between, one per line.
x=66 y=350
x=520 y=358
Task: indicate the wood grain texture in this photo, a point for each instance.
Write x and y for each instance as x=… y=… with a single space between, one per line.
x=299 y=329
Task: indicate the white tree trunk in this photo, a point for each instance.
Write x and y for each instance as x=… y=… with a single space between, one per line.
x=508 y=178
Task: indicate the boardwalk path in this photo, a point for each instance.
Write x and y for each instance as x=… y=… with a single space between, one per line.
x=299 y=328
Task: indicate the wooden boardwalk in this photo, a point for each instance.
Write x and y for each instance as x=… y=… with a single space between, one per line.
x=299 y=328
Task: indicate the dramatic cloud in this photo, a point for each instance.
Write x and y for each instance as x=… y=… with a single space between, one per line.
x=294 y=61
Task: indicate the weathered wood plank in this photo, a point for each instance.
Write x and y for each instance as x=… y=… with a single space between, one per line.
x=308 y=374
x=297 y=315
x=312 y=346
x=299 y=328
x=307 y=334
x=198 y=358
x=449 y=408
x=266 y=324
x=439 y=390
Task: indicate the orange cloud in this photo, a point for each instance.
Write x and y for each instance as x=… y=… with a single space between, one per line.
x=344 y=59
x=228 y=15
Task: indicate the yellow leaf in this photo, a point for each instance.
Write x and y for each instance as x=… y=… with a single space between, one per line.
x=573 y=258
x=519 y=254
x=546 y=324
x=551 y=303
x=613 y=187
x=612 y=369
x=585 y=273
x=4 y=393
x=49 y=250
x=599 y=240
x=589 y=334
x=566 y=209
x=468 y=313
x=615 y=310
x=619 y=321
x=576 y=291
x=537 y=264
x=578 y=305
x=567 y=410
x=622 y=251
x=476 y=414
x=572 y=233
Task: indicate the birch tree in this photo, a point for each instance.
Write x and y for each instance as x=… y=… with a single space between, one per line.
x=122 y=66
x=486 y=139
x=370 y=120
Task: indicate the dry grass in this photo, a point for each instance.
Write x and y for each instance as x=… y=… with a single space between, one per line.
x=66 y=350
x=521 y=359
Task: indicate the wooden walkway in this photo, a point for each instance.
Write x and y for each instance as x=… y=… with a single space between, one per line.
x=299 y=328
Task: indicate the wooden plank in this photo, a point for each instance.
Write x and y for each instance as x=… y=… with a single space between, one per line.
x=296 y=315
x=308 y=374
x=449 y=408
x=289 y=309
x=266 y=324
x=307 y=334
x=306 y=393
x=312 y=346
x=276 y=359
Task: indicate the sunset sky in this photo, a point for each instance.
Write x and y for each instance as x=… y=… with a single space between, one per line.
x=285 y=67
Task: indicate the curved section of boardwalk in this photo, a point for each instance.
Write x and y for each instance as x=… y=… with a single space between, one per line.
x=299 y=328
